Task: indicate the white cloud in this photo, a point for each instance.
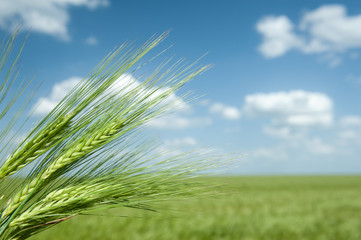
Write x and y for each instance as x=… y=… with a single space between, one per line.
x=44 y=16
x=294 y=108
x=45 y=104
x=291 y=116
x=348 y=134
x=275 y=153
x=350 y=128
x=327 y=29
x=125 y=83
x=332 y=29
x=176 y=146
x=350 y=121
x=91 y=40
x=188 y=145
x=279 y=132
x=332 y=59
x=228 y=112
x=278 y=36
x=178 y=121
x=288 y=151
x=319 y=147
x=187 y=141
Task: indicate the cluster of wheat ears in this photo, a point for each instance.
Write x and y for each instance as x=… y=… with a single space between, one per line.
x=90 y=152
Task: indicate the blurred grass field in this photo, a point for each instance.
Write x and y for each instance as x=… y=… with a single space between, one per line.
x=287 y=207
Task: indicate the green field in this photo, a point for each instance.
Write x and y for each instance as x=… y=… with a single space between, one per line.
x=311 y=207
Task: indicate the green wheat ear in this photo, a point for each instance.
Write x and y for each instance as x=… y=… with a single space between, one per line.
x=92 y=153
x=35 y=147
x=83 y=147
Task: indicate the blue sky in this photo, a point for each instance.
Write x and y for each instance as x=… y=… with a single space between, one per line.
x=284 y=92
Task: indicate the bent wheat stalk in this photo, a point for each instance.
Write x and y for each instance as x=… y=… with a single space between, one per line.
x=91 y=151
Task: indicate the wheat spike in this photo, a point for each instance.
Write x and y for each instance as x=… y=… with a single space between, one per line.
x=78 y=151
x=97 y=157
x=83 y=148
x=35 y=148
x=58 y=199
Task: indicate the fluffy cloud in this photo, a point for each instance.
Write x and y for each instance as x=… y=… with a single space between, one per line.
x=179 y=121
x=327 y=29
x=278 y=36
x=125 y=83
x=187 y=141
x=122 y=85
x=228 y=112
x=331 y=29
x=279 y=132
x=44 y=16
x=347 y=134
x=275 y=153
x=319 y=147
x=288 y=150
x=179 y=146
x=350 y=121
x=294 y=108
x=45 y=104
x=350 y=128
x=91 y=40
